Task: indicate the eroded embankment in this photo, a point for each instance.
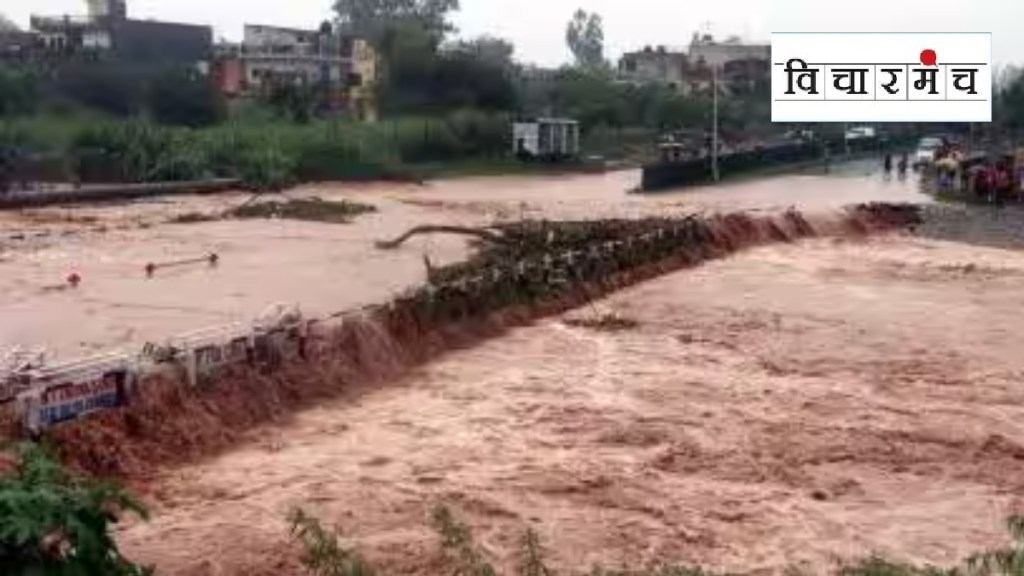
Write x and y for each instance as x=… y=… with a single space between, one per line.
x=537 y=270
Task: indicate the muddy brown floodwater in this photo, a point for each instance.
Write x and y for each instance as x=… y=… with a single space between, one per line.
x=791 y=405
x=325 y=268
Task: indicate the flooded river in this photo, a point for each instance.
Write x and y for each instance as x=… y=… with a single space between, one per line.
x=791 y=405
x=323 y=267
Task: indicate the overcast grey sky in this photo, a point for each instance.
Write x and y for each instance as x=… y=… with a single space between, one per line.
x=537 y=27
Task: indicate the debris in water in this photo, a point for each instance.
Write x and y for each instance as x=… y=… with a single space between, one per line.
x=313 y=209
x=606 y=322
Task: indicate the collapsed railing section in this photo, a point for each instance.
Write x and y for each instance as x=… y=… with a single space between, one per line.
x=541 y=262
x=37 y=397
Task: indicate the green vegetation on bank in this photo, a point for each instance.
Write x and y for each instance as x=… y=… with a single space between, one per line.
x=446 y=106
x=53 y=522
x=264 y=156
x=325 y=556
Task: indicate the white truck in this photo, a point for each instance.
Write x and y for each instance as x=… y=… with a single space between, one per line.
x=546 y=138
x=926 y=149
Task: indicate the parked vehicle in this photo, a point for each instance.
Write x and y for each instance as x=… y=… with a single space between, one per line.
x=806 y=135
x=926 y=150
x=546 y=138
x=861 y=133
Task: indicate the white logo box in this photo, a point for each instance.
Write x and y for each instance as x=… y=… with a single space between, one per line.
x=892 y=59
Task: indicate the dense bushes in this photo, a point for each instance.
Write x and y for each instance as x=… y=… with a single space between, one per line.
x=135 y=151
x=12 y=149
x=19 y=91
x=54 y=523
x=184 y=98
x=265 y=155
x=98 y=86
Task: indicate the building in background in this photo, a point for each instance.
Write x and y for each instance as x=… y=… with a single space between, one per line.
x=342 y=69
x=655 y=66
x=739 y=66
x=706 y=50
x=16 y=45
x=106 y=32
x=362 y=88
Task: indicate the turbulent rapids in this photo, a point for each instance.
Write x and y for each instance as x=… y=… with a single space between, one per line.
x=521 y=271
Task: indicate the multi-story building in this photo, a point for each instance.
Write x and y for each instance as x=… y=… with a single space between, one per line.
x=15 y=44
x=655 y=66
x=739 y=66
x=343 y=68
x=107 y=32
x=705 y=49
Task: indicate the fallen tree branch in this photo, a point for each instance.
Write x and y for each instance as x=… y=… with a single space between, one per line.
x=481 y=233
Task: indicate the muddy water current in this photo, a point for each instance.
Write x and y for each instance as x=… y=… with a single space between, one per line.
x=793 y=404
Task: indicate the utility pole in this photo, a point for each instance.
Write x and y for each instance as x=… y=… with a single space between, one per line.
x=714 y=121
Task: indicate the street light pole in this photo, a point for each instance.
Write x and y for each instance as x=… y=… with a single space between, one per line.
x=714 y=129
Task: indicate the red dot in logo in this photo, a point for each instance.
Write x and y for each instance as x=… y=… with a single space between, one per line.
x=928 y=57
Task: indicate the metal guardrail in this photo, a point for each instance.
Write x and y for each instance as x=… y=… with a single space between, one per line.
x=50 y=394
x=674 y=174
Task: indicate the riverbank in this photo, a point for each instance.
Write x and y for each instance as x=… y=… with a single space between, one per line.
x=792 y=337
x=979 y=224
x=783 y=158
x=763 y=412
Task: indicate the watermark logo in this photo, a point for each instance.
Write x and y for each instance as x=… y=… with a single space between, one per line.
x=880 y=77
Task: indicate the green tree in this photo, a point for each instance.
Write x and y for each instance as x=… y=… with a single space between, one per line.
x=104 y=86
x=592 y=99
x=12 y=149
x=1009 y=99
x=496 y=52
x=423 y=78
x=293 y=101
x=585 y=37
x=374 y=18
x=6 y=25
x=184 y=98
x=54 y=523
x=19 y=91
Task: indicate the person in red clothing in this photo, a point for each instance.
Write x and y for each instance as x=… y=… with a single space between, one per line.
x=981 y=182
x=1002 y=183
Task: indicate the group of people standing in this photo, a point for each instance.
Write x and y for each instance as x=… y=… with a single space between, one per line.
x=901 y=167
x=991 y=180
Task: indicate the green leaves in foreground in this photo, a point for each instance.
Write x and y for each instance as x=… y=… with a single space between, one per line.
x=1003 y=562
x=457 y=542
x=52 y=523
x=1007 y=561
x=325 y=557
x=322 y=553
